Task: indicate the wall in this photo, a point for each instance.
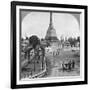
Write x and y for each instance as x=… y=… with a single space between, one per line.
x=5 y=44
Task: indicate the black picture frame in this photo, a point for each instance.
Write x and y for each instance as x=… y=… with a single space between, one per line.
x=14 y=4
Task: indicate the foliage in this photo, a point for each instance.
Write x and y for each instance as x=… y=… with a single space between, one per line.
x=34 y=41
x=73 y=40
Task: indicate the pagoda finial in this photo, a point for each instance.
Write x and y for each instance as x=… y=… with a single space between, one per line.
x=50 y=18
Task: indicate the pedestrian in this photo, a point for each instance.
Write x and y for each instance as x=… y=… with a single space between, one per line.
x=69 y=65
x=73 y=64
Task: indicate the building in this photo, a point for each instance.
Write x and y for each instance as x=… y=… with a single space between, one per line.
x=51 y=36
x=67 y=43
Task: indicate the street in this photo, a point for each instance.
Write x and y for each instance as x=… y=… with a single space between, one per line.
x=55 y=66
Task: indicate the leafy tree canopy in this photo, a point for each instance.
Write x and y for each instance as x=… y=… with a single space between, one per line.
x=34 y=41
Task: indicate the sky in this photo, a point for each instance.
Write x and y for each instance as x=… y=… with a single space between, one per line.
x=37 y=23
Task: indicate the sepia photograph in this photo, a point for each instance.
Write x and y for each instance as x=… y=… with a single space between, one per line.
x=50 y=44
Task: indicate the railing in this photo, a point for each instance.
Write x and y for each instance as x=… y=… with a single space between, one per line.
x=38 y=75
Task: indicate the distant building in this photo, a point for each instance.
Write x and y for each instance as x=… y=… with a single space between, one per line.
x=66 y=43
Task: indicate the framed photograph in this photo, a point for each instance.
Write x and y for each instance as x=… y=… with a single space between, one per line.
x=48 y=44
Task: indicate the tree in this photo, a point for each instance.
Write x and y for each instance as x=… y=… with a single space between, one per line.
x=78 y=38
x=72 y=41
x=26 y=38
x=34 y=41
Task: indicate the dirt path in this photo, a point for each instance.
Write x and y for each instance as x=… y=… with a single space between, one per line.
x=54 y=69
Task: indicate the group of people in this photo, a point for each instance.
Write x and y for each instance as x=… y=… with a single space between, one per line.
x=68 y=66
x=53 y=52
x=56 y=53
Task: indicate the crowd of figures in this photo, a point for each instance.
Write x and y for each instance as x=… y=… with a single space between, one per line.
x=68 y=66
x=55 y=52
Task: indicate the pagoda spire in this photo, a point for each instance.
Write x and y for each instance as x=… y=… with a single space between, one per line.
x=51 y=21
x=51 y=32
x=51 y=18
